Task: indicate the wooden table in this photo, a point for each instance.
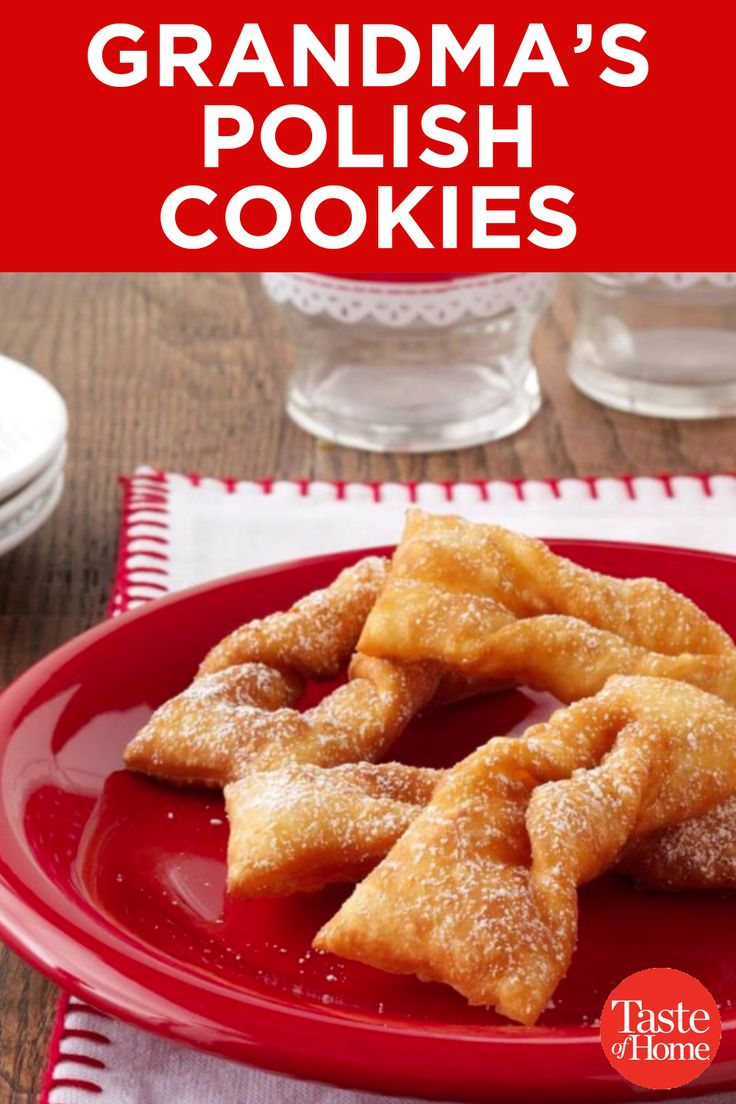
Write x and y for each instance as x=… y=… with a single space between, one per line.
x=187 y=372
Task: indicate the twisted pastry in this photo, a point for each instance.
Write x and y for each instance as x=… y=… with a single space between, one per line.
x=452 y=583
x=481 y=890
x=199 y=737
x=497 y=605
x=300 y=827
x=237 y=720
x=238 y=713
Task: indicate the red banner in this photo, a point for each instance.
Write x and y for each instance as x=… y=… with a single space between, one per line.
x=280 y=137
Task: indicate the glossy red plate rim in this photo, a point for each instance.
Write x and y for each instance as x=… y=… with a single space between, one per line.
x=129 y=980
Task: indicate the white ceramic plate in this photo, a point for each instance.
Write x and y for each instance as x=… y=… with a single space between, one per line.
x=33 y=424
x=12 y=508
x=22 y=524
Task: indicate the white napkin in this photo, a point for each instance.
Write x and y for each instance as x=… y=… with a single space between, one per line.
x=183 y=529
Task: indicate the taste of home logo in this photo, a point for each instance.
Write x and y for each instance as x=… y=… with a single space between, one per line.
x=660 y=1028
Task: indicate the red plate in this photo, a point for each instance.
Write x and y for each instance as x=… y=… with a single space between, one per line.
x=113 y=885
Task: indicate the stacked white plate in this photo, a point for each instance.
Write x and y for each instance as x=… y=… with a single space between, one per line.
x=33 y=428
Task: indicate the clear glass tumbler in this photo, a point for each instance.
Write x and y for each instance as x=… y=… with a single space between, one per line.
x=658 y=343
x=409 y=363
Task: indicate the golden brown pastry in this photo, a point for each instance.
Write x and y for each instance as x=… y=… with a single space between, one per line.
x=497 y=605
x=481 y=890
x=238 y=712
x=196 y=738
x=453 y=583
x=300 y=827
x=237 y=720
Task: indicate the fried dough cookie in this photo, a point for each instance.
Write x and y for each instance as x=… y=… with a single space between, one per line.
x=453 y=583
x=498 y=605
x=238 y=719
x=301 y=827
x=239 y=708
x=481 y=890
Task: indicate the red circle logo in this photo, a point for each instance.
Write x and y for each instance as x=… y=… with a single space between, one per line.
x=660 y=1028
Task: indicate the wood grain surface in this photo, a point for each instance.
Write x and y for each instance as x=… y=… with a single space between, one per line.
x=188 y=372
